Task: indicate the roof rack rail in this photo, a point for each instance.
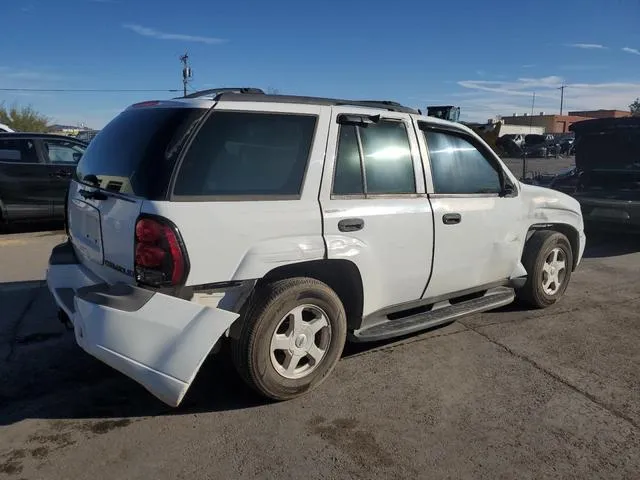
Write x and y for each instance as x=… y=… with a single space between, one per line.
x=213 y=92
x=382 y=104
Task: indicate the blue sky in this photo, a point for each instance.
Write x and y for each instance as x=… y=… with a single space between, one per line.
x=485 y=56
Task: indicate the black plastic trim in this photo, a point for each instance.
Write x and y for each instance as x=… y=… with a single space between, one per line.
x=120 y=296
x=63 y=254
x=517 y=282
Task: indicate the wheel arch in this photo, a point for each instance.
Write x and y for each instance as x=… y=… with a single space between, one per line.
x=567 y=230
x=342 y=276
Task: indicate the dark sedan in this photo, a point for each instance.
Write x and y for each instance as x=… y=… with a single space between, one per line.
x=35 y=170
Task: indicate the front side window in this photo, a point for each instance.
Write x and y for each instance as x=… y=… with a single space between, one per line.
x=458 y=167
x=18 y=151
x=383 y=150
x=62 y=151
x=247 y=153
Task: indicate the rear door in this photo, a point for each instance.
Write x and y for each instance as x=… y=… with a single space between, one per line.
x=24 y=180
x=375 y=210
x=61 y=157
x=128 y=163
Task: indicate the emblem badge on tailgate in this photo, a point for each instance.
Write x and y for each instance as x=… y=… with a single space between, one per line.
x=118 y=268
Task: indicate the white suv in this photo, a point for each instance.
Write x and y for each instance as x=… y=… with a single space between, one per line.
x=285 y=225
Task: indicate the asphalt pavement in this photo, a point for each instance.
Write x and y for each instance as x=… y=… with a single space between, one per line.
x=506 y=394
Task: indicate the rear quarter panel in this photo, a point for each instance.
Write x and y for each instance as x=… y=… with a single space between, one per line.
x=245 y=238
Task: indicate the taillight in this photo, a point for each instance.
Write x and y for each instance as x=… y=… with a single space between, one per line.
x=160 y=257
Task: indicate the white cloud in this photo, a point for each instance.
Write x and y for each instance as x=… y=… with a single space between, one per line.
x=7 y=73
x=150 y=32
x=587 y=46
x=505 y=98
x=634 y=51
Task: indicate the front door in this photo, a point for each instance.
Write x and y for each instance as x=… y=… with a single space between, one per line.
x=477 y=220
x=375 y=210
x=24 y=181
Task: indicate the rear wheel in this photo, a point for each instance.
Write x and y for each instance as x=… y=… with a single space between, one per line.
x=548 y=259
x=291 y=338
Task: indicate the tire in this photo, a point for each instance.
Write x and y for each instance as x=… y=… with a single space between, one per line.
x=271 y=317
x=537 y=252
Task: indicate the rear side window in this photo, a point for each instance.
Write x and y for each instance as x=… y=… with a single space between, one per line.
x=383 y=149
x=247 y=154
x=18 y=151
x=136 y=152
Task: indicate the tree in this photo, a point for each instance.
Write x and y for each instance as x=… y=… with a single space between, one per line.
x=635 y=108
x=23 y=119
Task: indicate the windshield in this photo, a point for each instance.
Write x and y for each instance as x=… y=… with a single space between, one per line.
x=135 y=153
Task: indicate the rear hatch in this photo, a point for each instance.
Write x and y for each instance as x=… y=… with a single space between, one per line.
x=609 y=159
x=128 y=162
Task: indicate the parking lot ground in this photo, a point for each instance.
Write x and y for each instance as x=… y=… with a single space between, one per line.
x=507 y=394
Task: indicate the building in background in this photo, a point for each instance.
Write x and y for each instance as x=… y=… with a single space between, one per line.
x=551 y=123
x=602 y=113
x=561 y=123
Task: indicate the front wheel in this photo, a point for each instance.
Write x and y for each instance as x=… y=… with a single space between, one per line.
x=548 y=259
x=292 y=336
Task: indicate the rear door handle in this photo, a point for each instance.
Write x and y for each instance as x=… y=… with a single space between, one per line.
x=451 y=218
x=350 y=224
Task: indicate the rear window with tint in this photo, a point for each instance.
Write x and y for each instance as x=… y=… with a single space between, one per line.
x=247 y=154
x=136 y=152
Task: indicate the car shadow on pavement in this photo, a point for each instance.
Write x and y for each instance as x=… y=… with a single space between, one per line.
x=45 y=375
x=602 y=244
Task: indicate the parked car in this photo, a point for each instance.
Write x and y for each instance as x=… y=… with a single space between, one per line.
x=35 y=171
x=286 y=225
x=87 y=135
x=606 y=179
x=536 y=145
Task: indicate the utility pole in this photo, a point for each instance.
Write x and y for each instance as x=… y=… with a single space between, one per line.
x=186 y=72
x=562 y=96
x=533 y=104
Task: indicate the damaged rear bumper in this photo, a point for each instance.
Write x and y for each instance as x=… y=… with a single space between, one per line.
x=158 y=340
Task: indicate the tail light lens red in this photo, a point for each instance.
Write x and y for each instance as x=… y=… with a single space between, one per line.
x=160 y=257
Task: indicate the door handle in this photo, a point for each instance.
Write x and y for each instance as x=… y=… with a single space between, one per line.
x=350 y=224
x=451 y=218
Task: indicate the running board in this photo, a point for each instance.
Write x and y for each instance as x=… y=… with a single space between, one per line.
x=440 y=313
